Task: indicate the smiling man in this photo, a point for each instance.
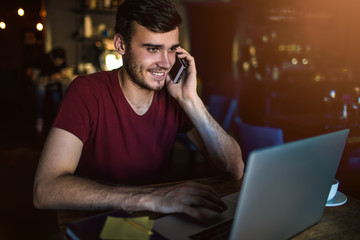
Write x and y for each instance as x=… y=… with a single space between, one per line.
x=115 y=129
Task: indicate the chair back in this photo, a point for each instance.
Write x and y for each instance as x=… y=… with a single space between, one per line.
x=222 y=109
x=252 y=137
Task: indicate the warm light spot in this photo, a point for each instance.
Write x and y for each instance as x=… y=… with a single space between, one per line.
x=252 y=51
x=332 y=94
x=21 y=12
x=254 y=62
x=294 y=61
x=282 y=48
x=274 y=35
x=39 y=26
x=98 y=44
x=275 y=74
x=246 y=66
x=2 y=25
x=112 y=62
x=357 y=90
x=42 y=13
x=265 y=39
x=290 y=48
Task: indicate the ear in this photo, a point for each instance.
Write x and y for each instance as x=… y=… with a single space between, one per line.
x=119 y=44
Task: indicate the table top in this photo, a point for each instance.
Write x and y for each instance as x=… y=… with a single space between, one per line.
x=341 y=222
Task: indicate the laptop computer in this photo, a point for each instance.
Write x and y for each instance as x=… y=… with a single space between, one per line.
x=284 y=191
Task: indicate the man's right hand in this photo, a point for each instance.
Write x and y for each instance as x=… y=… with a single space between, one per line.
x=185 y=198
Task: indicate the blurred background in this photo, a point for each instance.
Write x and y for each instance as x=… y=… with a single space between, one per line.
x=288 y=63
x=273 y=56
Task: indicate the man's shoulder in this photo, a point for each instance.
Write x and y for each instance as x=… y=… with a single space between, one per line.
x=95 y=80
x=97 y=77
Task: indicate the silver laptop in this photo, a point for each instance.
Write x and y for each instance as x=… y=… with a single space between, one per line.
x=284 y=191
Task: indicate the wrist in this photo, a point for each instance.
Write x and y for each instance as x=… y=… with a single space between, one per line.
x=132 y=199
x=190 y=103
x=148 y=201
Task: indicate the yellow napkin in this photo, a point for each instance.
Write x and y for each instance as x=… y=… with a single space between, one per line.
x=127 y=228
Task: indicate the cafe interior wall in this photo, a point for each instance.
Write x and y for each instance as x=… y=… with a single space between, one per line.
x=313 y=46
x=11 y=37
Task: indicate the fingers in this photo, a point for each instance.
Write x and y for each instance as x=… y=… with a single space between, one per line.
x=214 y=204
x=200 y=213
x=188 y=197
x=182 y=53
x=196 y=194
x=196 y=211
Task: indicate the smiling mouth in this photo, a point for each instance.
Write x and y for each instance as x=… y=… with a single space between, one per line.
x=158 y=75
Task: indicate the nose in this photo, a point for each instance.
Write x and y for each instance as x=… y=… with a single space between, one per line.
x=165 y=60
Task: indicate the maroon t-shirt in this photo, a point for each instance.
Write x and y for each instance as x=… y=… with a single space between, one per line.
x=119 y=145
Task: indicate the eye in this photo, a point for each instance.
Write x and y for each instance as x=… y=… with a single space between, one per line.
x=173 y=49
x=152 y=49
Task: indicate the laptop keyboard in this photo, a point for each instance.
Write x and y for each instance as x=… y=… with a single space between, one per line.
x=218 y=232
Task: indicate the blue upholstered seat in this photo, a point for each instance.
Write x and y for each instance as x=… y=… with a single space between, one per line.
x=252 y=137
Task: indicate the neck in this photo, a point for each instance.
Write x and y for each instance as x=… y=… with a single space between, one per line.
x=139 y=99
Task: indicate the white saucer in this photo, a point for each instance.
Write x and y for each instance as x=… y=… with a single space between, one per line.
x=338 y=200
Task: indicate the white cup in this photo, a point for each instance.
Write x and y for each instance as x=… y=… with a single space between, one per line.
x=333 y=189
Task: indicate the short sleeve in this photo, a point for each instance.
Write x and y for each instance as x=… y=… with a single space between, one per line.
x=77 y=110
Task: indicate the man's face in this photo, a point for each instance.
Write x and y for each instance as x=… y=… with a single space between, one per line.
x=149 y=57
x=58 y=61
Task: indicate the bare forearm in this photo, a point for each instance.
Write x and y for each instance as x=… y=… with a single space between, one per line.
x=71 y=192
x=222 y=149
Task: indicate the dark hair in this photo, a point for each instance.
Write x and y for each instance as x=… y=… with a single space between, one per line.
x=58 y=52
x=155 y=15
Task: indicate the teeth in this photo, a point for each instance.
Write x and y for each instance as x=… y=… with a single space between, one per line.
x=158 y=73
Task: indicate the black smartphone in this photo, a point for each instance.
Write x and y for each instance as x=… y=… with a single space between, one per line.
x=178 y=69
